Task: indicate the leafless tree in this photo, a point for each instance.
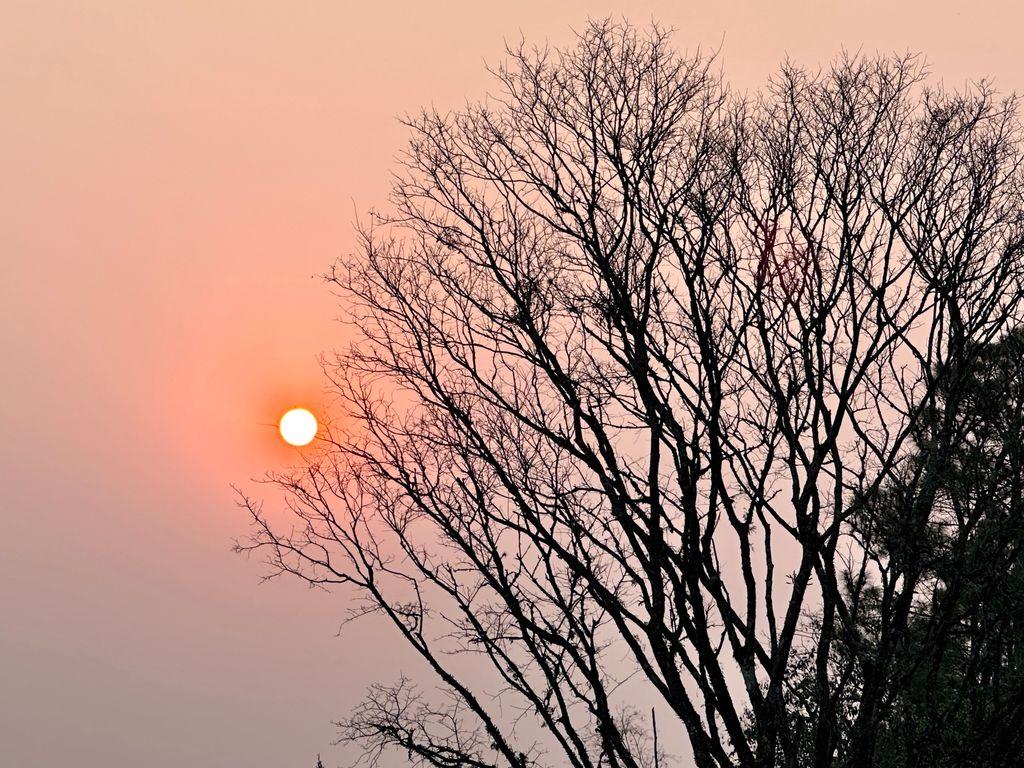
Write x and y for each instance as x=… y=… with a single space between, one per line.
x=632 y=350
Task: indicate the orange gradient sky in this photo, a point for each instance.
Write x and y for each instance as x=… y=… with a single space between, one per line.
x=173 y=175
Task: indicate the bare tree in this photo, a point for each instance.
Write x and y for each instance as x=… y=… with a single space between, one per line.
x=632 y=352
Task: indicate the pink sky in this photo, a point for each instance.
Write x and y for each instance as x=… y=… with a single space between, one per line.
x=173 y=175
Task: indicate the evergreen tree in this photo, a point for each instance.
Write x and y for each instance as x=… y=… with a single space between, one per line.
x=956 y=681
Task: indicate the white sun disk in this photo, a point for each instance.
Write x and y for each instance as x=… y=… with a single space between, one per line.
x=298 y=427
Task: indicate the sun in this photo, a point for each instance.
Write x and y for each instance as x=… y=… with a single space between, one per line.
x=298 y=427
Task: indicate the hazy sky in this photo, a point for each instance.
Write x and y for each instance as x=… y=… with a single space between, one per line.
x=171 y=176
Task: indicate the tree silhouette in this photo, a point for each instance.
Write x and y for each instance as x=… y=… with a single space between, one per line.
x=638 y=364
x=957 y=697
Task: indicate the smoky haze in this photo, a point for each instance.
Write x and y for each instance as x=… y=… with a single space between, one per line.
x=174 y=174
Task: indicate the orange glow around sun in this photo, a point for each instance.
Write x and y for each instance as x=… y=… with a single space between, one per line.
x=298 y=427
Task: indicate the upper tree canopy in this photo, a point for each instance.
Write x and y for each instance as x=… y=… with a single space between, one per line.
x=634 y=354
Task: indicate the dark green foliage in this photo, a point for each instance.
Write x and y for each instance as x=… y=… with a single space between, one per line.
x=959 y=684
x=954 y=673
